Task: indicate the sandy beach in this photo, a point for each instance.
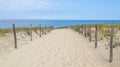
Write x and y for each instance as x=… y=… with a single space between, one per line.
x=61 y=48
x=59 y=33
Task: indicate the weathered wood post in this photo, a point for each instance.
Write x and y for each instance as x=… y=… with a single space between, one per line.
x=85 y=30
x=31 y=31
x=79 y=29
x=15 y=38
x=50 y=28
x=40 y=30
x=82 y=30
x=90 y=33
x=45 y=30
x=96 y=35
x=111 y=43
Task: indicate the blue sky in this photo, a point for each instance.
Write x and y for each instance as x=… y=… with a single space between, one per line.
x=60 y=9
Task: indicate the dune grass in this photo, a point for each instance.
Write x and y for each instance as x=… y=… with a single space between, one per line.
x=103 y=30
x=3 y=31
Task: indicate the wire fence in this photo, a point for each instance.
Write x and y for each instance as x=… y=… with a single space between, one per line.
x=104 y=37
x=17 y=35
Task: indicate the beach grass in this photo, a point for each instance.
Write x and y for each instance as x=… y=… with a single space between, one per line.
x=3 y=31
x=102 y=29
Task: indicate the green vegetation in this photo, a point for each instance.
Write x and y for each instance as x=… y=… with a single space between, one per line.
x=116 y=43
x=3 y=31
x=102 y=28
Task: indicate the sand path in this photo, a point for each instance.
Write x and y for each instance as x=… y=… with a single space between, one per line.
x=59 y=48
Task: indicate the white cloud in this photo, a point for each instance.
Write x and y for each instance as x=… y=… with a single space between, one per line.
x=23 y=4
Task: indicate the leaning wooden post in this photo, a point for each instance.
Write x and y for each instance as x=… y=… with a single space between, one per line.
x=85 y=30
x=49 y=28
x=31 y=31
x=45 y=30
x=90 y=33
x=111 y=43
x=96 y=35
x=82 y=30
x=15 y=38
x=79 y=29
x=40 y=29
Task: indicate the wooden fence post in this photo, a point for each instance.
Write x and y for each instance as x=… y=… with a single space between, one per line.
x=15 y=38
x=111 y=43
x=50 y=27
x=85 y=30
x=31 y=31
x=45 y=30
x=40 y=29
x=82 y=30
x=79 y=29
x=90 y=33
x=96 y=35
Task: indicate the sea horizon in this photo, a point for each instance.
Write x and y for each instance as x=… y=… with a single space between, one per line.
x=55 y=23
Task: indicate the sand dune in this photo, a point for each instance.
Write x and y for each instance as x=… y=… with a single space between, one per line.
x=59 y=48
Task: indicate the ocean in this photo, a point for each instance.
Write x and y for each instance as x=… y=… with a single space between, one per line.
x=55 y=23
